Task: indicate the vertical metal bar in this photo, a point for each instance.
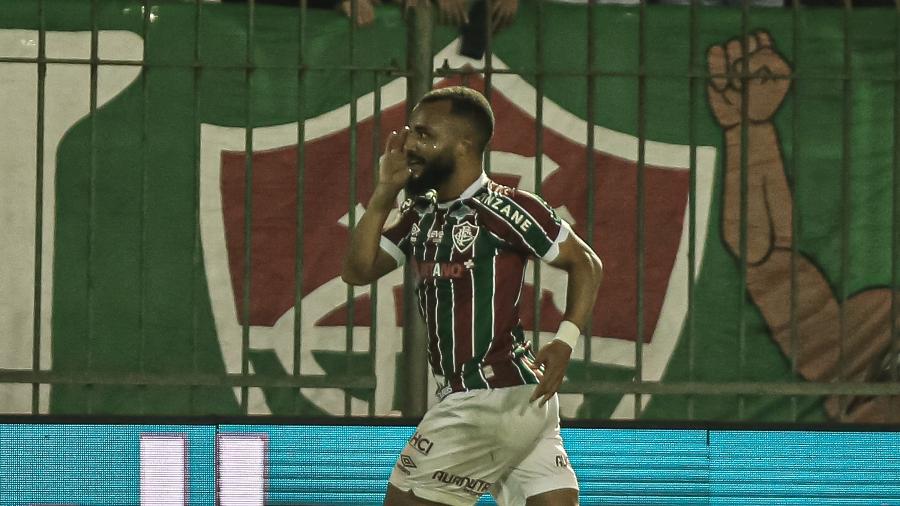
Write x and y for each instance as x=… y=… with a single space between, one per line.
x=693 y=44
x=142 y=221
x=590 y=165
x=846 y=161
x=538 y=155
x=301 y=193
x=745 y=124
x=248 y=204
x=488 y=69
x=39 y=206
x=419 y=39
x=641 y=198
x=352 y=196
x=92 y=196
x=197 y=254
x=795 y=232
x=373 y=291
x=895 y=223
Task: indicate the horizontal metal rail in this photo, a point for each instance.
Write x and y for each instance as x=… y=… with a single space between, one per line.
x=207 y=66
x=768 y=389
x=447 y=72
x=232 y=380
x=368 y=383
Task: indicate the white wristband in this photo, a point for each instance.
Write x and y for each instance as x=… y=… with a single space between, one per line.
x=568 y=333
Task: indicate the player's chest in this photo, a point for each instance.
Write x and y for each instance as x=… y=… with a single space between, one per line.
x=456 y=235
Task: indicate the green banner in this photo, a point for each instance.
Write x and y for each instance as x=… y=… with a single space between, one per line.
x=138 y=212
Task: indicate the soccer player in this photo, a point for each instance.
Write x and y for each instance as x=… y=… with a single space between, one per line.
x=496 y=426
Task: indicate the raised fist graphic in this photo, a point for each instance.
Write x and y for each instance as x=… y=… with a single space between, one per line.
x=767 y=79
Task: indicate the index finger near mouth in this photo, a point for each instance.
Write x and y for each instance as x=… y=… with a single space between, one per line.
x=402 y=139
x=390 y=142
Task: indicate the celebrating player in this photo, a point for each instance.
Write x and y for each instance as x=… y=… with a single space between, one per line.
x=496 y=427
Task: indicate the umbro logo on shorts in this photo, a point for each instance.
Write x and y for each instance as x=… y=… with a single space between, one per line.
x=407 y=461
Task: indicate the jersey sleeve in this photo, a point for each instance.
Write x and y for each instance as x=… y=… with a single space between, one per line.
x=395 y=238
x=527 y=222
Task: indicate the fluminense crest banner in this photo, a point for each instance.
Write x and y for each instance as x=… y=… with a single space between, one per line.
x=139 y=215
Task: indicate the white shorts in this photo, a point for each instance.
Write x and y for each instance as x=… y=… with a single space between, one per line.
x=486 y=441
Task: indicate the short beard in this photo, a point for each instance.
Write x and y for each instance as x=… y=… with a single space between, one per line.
x=434 y=174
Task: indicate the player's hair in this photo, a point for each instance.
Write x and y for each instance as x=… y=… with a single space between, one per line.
x=470 y=105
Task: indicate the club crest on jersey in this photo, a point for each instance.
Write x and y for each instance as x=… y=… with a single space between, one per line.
x=464 y=235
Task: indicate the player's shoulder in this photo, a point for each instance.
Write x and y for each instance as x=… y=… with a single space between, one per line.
x=497 y=196
x=507 y=209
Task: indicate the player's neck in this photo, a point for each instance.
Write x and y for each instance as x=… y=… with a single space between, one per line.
x=465 y=174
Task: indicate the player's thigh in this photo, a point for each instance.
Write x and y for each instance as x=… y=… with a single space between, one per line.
x=545 y=472
x=452 y=458
x=466 y=443
x=560 y=497
x=397 y=497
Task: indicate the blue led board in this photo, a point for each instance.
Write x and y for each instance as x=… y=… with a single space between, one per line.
x=95 y=464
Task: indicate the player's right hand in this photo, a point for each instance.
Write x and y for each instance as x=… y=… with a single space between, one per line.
x=393 y=171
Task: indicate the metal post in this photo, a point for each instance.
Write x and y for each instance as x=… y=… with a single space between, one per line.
x=744 y=73
x=895 y=222
x=845 y=223
x=795 y=214
x=419 y=33
x=641 y=202
x=690 y=327
x=301 y=194
x=351 y=204
x=248 y=208
x=197 y=254
x=539 y=156
x=373 y=290
x=39 y=207
x=590 y=161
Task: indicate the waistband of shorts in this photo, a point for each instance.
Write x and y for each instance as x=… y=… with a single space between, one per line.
x=502 y=374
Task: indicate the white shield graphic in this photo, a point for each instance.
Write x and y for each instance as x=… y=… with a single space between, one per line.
x=319 y=327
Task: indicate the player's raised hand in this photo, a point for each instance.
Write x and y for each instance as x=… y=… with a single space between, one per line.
x=554 y=357
x=393 y=171
x=767 y=79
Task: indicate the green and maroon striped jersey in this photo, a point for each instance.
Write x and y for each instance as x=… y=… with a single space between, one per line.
x=469 y=255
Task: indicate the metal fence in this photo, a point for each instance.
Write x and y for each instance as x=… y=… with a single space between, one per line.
x=420 y=75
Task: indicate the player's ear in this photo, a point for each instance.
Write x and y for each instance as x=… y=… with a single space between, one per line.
x=465 y=146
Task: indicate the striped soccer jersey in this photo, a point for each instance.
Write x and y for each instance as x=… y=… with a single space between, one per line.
x=469 y=256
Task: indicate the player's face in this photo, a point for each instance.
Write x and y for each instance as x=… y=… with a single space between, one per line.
x=430 y=146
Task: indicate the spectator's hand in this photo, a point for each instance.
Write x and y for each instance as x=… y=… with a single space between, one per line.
x=767 y=83
x=453 y=12
x=503 y=13
x=365 y=11
x=554 y=356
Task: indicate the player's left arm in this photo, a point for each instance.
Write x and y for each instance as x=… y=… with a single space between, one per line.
x=585 y=273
